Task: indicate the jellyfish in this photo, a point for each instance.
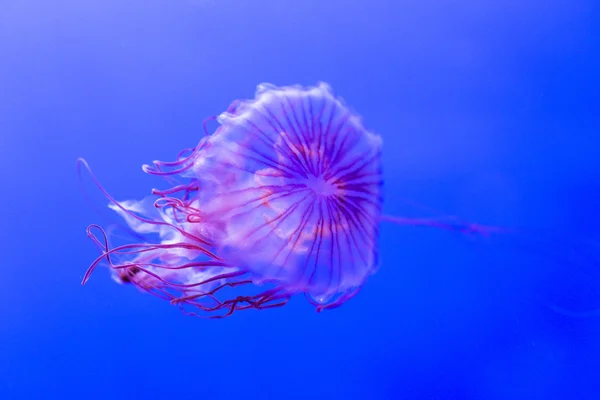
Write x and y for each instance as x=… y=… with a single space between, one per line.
x=284 y=198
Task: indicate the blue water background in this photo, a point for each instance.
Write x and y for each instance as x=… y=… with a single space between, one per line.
x=489 y=110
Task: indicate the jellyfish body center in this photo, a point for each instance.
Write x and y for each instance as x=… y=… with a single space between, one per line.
x=321 y=186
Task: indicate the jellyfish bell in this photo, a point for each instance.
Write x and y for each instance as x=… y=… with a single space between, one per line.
x=292 y=192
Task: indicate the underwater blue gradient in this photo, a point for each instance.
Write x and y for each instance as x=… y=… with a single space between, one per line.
x=489 y=110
